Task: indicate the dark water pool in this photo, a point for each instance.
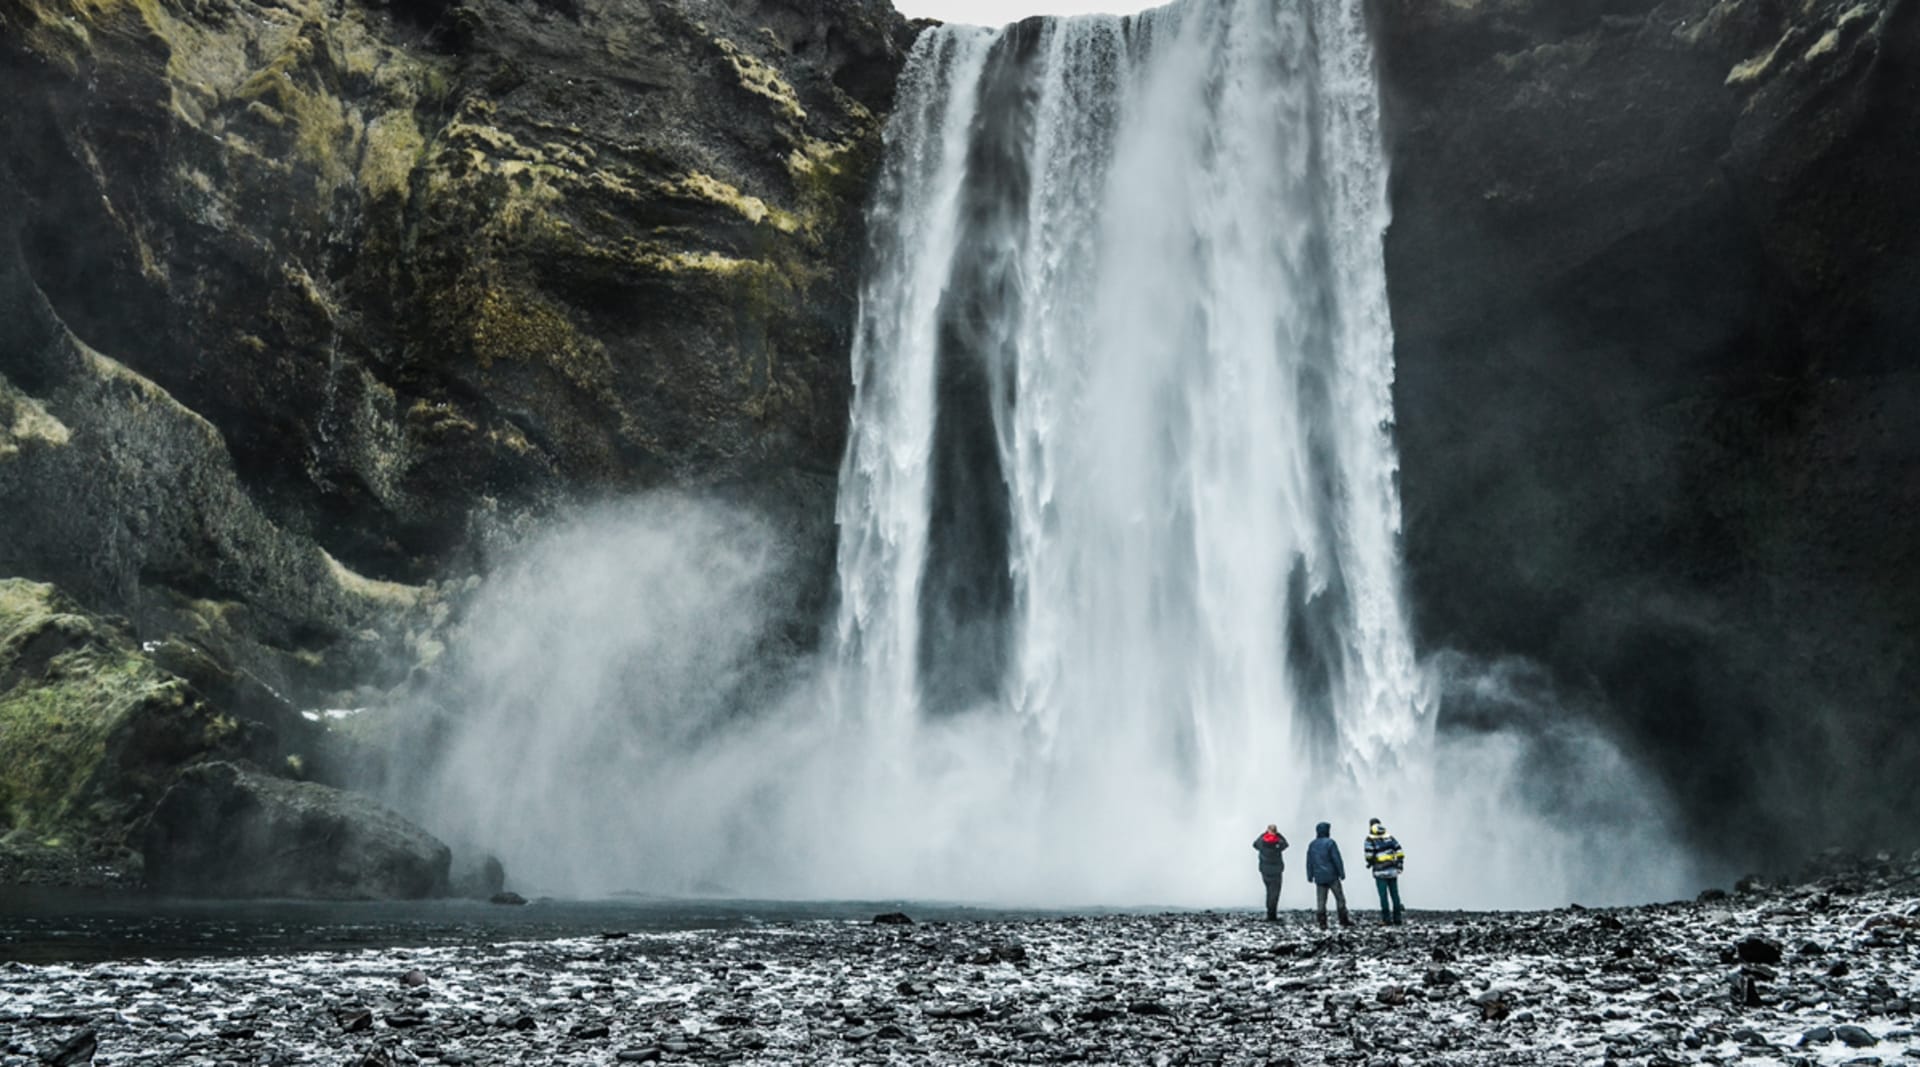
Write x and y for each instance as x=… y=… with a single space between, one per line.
x=52 y=925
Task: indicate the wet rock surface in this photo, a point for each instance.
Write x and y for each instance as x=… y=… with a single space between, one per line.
x=95 y=730
x=1654 y=351
x=426 y=267
x=91 y=730
x=226 y=829
x=308 y=310
x=1643 y=985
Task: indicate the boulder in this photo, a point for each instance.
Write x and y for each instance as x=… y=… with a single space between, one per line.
x=1755 y=948
x=95 y=725
x=477 y=876
x=225 y=829
x=1855 y=1036
x=77 y=1049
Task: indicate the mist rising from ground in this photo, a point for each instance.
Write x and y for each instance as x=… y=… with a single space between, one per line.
x=624 y=721
x=591 y=674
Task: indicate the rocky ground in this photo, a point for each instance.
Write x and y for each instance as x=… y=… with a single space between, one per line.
x=1820 y=973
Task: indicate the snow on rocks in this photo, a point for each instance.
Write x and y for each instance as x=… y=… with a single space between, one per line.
x=1666 y=984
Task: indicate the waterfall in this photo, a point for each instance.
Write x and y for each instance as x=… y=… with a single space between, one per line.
x=1119 y=519
x=1119 y=575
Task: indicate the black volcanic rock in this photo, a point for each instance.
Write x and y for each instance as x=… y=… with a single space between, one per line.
x=1757 y=949
x=226 y=830
x=1855 y=1036
x=1203 y=994
x=78 y=1049
x=477 y=877
x=93 y=728
x=1651 y=268
x=354 y=1020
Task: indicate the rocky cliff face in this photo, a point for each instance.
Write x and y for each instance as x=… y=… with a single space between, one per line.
x=304 y=305
x=413 y=270
x=1653 y=271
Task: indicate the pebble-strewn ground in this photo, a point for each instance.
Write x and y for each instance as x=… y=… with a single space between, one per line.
x=1680 y=983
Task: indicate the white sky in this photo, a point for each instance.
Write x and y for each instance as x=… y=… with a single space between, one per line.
x=999 y=12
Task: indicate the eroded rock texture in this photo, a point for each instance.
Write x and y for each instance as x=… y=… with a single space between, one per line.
x=423 y=268
x=1653 y=271
x=306 y=306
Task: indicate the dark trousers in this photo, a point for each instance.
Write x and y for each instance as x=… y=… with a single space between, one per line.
x=1389 y=888
x=1273 y=894
x=1339 y=896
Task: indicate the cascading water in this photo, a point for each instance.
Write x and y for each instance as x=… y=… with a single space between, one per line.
x=1118 y=563
x=1121 y=484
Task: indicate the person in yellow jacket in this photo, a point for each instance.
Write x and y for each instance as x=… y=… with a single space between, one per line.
x=1386 y=860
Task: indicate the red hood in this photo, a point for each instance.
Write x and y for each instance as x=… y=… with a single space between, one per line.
x=1269 y=837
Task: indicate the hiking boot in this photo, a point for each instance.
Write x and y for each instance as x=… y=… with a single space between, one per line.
x=1345 y=919
x=1323 y=920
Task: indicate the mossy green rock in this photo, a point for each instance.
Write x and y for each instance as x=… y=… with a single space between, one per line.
x=90 y=729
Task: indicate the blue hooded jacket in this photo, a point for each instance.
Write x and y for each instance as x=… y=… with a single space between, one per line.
x=1323 y=858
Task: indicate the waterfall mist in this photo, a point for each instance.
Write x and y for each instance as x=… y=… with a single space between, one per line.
x=1118 y=569
x=595 y=678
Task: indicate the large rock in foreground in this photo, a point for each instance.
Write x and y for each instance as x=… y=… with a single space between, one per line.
x=227 y=830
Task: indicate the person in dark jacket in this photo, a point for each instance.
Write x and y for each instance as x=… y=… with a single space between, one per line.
x=1386 y=860
x=1326 y=872
x=1270 y=845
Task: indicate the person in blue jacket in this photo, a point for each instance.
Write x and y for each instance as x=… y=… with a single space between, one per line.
x=1326 y=872
x=1386 y=860
x=1272 y=865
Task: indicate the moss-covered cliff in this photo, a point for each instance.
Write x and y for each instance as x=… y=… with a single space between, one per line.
x=424 y=267
x=304 y=305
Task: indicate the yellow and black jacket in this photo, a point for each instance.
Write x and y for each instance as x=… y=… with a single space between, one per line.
x=1384 y=857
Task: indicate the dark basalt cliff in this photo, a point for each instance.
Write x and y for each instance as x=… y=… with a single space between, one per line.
x=304 y=306
x=1654 y=270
